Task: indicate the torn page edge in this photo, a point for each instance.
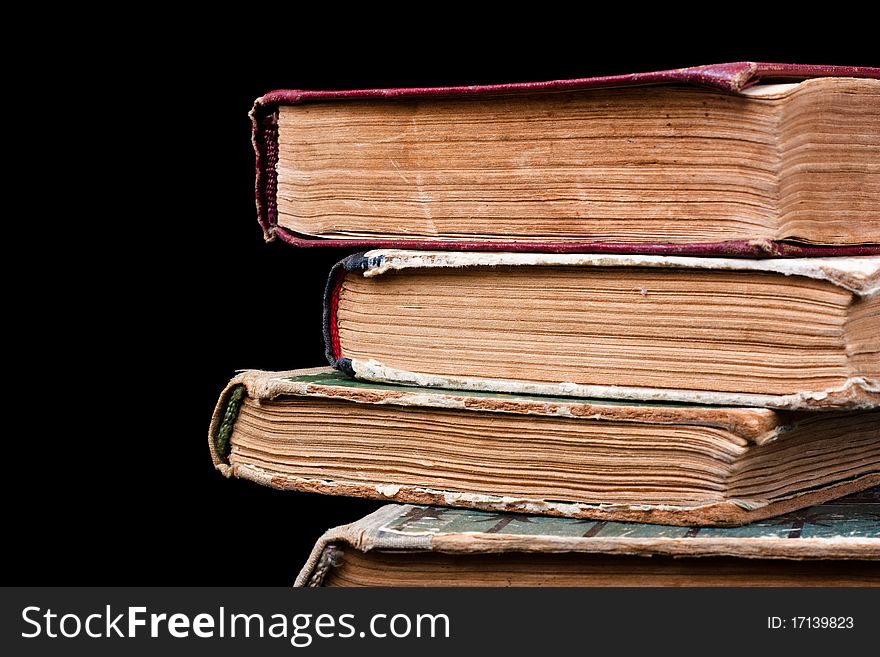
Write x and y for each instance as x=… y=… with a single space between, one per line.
x=855 y=393
x=858 y=274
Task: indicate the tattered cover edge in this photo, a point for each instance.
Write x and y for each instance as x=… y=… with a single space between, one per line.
x=758 y=248
x=256 y=385
x=756 y=425
x=860 y=276
x=365 y=535
x=361 y=535
x=722 y=513
x=731 y=77
x=858 y=393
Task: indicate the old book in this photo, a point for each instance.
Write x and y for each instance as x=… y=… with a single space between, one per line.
x=833 y=544
x=318 y=431
x=783 y=333
x=738 y=159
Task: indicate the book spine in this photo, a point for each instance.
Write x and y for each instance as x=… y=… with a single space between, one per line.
x=264 y=138
x=332 y=347
x=222 y=422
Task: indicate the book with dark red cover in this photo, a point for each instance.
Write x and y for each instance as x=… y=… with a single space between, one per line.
x=730 y=78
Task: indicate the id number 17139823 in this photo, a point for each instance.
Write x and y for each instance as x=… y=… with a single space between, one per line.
x=810 y=623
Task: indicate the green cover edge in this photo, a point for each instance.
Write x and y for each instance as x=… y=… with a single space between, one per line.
x=334 y=378
x=222 y=440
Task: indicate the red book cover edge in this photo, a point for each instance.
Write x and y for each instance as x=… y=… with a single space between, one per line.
x=730 y=77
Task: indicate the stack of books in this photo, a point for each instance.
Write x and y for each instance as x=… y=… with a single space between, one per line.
x=601 y=320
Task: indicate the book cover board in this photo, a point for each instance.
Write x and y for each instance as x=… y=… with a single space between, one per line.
x=845 y=531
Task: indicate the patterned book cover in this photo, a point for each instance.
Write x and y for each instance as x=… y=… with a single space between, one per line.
x=844 y=529
x=726 y=79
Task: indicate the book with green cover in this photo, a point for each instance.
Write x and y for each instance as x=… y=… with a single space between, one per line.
x=833 y=544
x=672 y=463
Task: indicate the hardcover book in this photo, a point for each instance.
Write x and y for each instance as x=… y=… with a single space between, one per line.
x=833 y=544
x=739 y=159
x=681 y=464
x=781 y=333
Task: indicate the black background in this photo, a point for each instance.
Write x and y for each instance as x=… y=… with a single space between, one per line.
x=137 y=280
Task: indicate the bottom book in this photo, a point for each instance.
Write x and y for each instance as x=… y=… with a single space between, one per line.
x=832 y=544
